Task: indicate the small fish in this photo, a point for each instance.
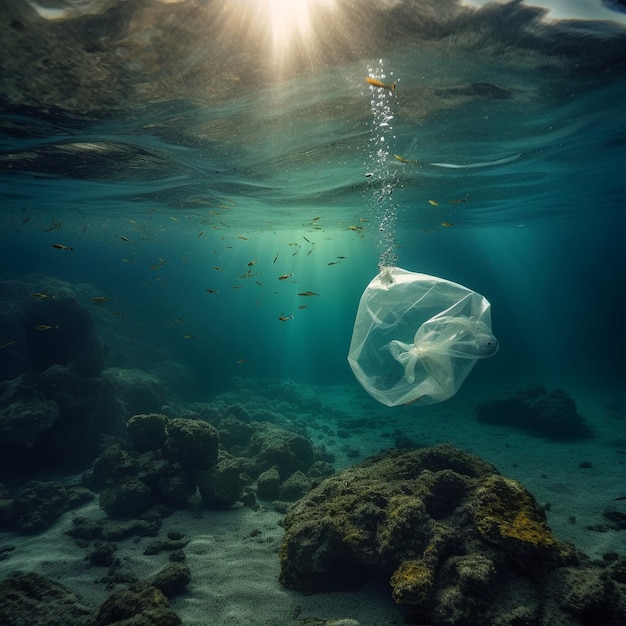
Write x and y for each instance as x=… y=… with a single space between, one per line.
x=53 y=226
x=284 y=318
x=100 y=299
x=6 y=344
x=60 y=246
x=308 y=240
x=189 y=336
x=397 y=157
x=46 y=327
x=242 y=361
x=620 y=498
x=368 y=174
x=237 y=287
x=126 y=239
x=458 y=200
x=310 y=251
x=342 y=257
x=242 y=237
x=217 y=268
x=252 y=263
x=200 y=233
x=275 y=258
x=39 y=295
x=333 y=263
x=374 y=82
x=25 y=220
x=447 y=224
x=285 y=276
x=303 y=306
x=433 y=202
x=212 y=291
x=356 y=228
x=308 y=293
x=119 y=313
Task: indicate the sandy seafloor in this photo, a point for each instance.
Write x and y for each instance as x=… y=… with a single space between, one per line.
x=233 y=554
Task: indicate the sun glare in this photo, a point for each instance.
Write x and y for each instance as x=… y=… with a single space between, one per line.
x=291 y=24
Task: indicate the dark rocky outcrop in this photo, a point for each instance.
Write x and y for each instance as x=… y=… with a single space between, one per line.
x=459 y=543
x=550 y=414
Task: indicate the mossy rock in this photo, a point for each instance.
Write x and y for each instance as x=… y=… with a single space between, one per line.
x=192 y=443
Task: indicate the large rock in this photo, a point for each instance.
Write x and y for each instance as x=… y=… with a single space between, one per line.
x=29 y=599
x=25 y=411
x=192 y=443
x=135 y=391
x=271 y=446
x=58 y=330
x=550 y=414
x=459 y=543
x=50 y=418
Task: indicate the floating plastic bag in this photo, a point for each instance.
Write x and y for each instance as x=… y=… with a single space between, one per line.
x=417 y=337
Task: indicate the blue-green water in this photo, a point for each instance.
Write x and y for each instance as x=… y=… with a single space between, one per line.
x=232 y=163
x=195 y=166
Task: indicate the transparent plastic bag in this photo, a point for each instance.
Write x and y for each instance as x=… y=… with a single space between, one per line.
x=417 y=337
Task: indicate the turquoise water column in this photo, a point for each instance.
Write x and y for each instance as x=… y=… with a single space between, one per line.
x=380 y=168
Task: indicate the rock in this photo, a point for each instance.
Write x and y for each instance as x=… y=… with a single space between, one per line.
x=28 y=599
x=112 y=465
x=192 y=443
x=548 y=414
x=128 y=498
x=136 y=391
x=221 y=486
x=235 y=432
x=140 y=605
x=458 y=539
x=39 y=504
x=268 y=483
x=22 y=422
x=295 y=487
x=58 y=330
x=175 y=487
x=172 y=579
x=102 y=554
x=147 y=431
x=271 y=446
x=49 y=418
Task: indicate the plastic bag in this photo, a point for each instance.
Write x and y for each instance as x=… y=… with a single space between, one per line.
x=417 y=337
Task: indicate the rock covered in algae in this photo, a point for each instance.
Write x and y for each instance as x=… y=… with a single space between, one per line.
x=458 y=542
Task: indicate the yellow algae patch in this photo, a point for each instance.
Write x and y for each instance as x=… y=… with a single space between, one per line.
x=412 y=583
x=505 y=512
